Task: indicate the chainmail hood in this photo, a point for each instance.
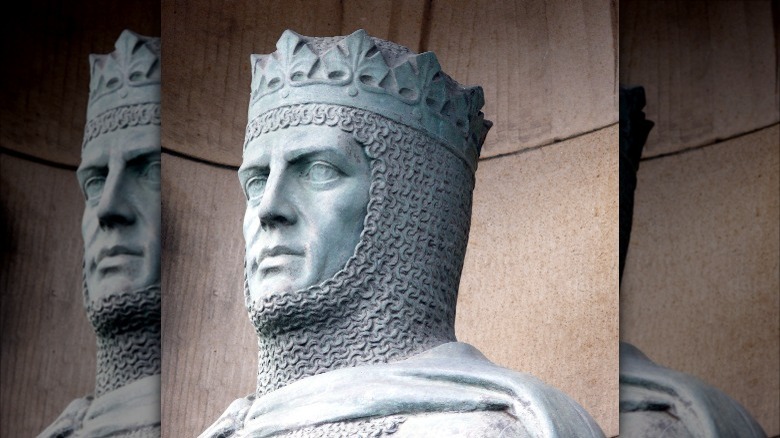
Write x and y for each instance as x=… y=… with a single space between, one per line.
x=396 y=295
x=127 y=326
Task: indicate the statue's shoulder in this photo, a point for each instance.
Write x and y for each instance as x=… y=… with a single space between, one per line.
x=132 y=410
x=528 y=406
x=231 y=421
x=484 y=424
x=450 y=390
x=655 y=398
x=70 y=420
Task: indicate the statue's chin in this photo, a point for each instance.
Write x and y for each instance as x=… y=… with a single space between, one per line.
x=282 y=311
x=275 y=303
x=290 y=300
x=273 y=314
x=119 y=312
x=272 y=287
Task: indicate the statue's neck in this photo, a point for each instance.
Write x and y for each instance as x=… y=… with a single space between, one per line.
x=125 y=357
x=284 y=358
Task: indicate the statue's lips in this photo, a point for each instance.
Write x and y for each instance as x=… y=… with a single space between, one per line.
x=273 y=258
x=116 y=256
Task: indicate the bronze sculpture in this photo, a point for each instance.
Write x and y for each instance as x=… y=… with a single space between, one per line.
x=358 y=170
x=655 y=400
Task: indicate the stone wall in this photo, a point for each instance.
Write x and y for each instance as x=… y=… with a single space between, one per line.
x=701 y=288
x=48 y=347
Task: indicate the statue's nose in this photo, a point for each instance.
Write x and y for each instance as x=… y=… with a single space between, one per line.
x=276 y=208
x=114 y=209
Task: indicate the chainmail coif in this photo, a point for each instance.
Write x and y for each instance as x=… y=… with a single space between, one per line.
x=396 y=295
x=127 y=326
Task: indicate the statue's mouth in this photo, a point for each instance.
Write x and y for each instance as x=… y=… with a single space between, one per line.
x=279 y=250
x=115 y=258
x=274 y=259
x=117 y=250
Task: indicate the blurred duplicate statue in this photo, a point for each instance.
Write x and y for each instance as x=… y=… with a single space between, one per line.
x=120 y=178
x=656 y=401
x=358 y=169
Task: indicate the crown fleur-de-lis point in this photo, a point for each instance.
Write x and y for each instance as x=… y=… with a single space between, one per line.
x=124 y=87
x=134 y=62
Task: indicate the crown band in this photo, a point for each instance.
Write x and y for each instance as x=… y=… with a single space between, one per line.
x=120 y=118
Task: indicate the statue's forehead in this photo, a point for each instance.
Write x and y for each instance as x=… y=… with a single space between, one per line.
x=125 y=142
x=295 y=138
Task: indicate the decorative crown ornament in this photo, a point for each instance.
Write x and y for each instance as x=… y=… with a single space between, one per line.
x=368 y=73
x=124 y=88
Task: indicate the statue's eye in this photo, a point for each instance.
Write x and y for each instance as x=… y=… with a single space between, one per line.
x=320 y=172
x=254 y=187
x=93 y=187
x=151 y=172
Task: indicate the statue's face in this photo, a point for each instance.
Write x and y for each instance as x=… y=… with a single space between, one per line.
x=120 y=178
x=307 y=193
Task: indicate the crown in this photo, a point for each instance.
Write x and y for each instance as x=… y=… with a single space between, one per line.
x=124 y=88
x=368 y=73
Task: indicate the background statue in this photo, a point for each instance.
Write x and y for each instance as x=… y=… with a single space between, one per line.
x=120 y=178
x=358 y=170
x=656 y=401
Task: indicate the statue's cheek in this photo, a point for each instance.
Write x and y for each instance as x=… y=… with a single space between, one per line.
x=251 y=227
x=89 y=225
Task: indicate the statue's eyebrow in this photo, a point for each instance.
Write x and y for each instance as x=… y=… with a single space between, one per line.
x=142 y=153
x=250 y=169
x=304 y=152
x=252 y=166
x=85 y=171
